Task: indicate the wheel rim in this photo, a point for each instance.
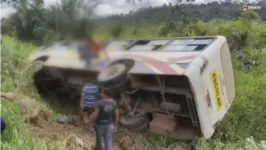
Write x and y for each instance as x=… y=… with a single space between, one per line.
x=111 y=72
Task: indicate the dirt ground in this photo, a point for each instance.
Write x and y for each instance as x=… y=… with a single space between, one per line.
x=74 y=137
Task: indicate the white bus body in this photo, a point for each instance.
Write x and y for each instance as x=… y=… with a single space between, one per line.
x=194 y=74
x=205 y=61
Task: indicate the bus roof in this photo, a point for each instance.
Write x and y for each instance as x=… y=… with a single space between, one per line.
x=170 y=56
x=176 y=44
x=152 y=56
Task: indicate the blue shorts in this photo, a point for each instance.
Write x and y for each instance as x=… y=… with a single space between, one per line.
x=3 y=125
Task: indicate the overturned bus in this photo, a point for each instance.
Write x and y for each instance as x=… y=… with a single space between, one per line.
x=179 y=87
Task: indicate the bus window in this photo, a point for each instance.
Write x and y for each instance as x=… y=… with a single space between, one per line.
x=228 y=72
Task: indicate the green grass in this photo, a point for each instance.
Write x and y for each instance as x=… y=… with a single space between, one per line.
x=243 y=128
x=245 y=122
x=15 y=77
x=17 y=135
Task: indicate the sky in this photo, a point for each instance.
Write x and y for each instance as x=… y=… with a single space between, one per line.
x=106 y=7
x=111 y=7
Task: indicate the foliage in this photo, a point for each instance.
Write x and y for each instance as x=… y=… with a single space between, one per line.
x=75 y=19
x=246 y=36
x=16 y=77
x=116 y=30
x=33 y=22
x=242 y=128
x=172 y=12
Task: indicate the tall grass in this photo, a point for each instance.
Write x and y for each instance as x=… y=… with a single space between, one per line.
x=242 y=128
x=16 y=77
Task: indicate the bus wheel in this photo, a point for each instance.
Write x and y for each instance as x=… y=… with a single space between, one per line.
x=137 y=124
x=113 y=75
x=142 y=128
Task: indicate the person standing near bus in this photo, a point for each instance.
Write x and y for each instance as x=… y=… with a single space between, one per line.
x=89 y=96
x=106 y=115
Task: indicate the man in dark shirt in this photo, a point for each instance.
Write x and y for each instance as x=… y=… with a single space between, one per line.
x=106 y=116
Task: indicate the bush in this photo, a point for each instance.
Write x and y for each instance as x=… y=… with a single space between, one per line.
x=16 y=77
x=242 y=128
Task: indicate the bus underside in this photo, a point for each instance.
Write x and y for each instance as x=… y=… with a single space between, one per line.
x=159 y=103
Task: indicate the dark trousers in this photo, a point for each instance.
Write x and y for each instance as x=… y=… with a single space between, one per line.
x=106 y=132
x=88 y=109
x=3 y=125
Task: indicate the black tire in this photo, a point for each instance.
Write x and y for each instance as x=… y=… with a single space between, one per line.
x=142 y=128
x=119 y=88
x=135 y=124
x=50 y=88
x=113 y=75
x=37 y=76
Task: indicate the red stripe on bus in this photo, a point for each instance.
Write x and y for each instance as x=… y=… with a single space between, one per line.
x=182 y=58
x=165 y=68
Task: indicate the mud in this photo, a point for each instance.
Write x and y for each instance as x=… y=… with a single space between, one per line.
x=74 y=137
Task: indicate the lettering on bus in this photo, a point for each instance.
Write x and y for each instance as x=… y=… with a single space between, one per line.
x=217 y=89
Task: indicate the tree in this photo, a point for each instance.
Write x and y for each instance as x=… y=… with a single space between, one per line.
x=116 y=30
x=70 y=19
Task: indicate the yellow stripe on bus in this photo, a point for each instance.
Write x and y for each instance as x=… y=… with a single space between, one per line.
x=217 y=90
